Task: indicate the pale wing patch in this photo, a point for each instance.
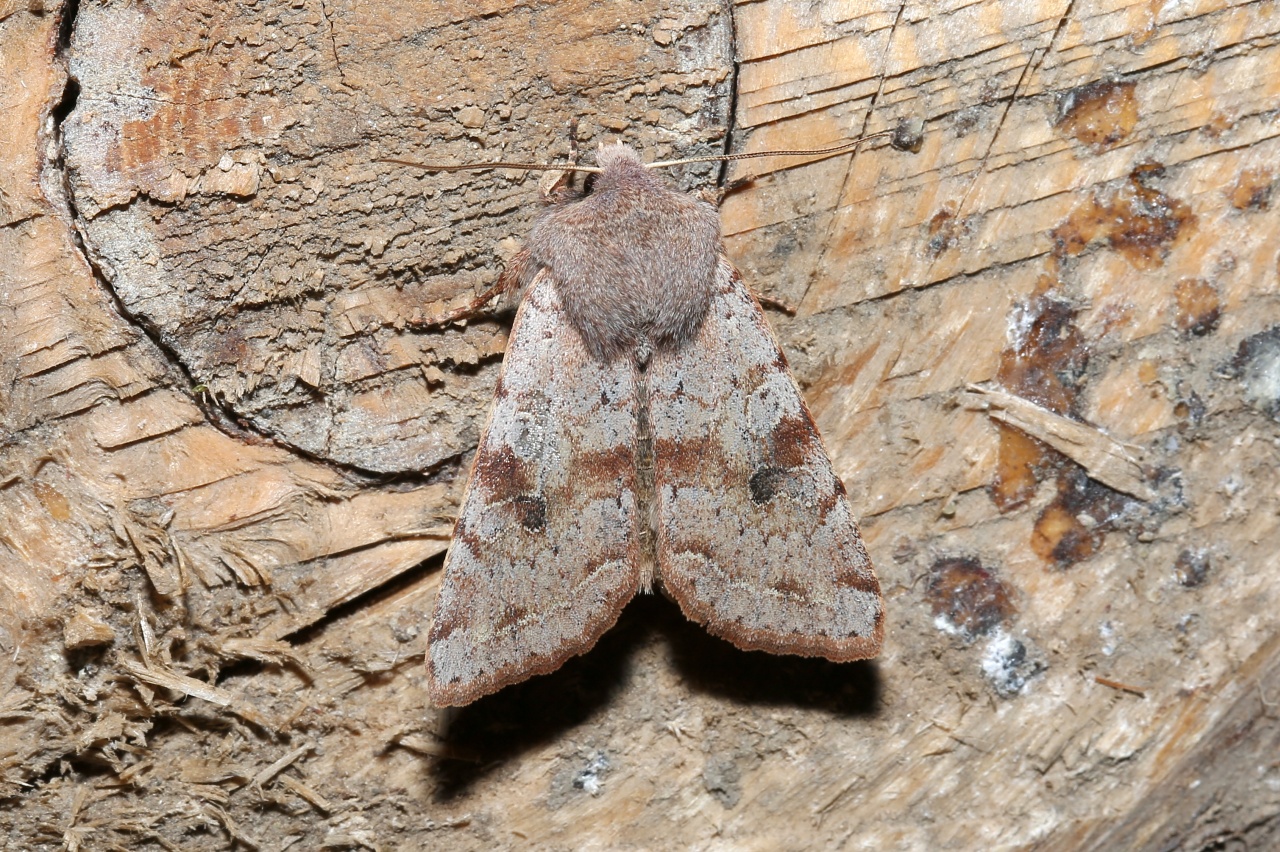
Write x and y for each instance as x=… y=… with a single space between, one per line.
x=755 y=536
x=545 y=552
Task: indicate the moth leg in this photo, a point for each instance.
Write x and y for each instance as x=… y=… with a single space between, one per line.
x=777 y=304
x=715 y=195
x=512 y=280
x=555 y=185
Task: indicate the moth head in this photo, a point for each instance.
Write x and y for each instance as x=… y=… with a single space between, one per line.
x=617 y=154
x=619 y=166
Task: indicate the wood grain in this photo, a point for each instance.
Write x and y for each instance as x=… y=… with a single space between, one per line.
x=1089 y=227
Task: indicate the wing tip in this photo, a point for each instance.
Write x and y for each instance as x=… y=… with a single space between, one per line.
x=863 y=639
x=461 y=692
x=837 y=649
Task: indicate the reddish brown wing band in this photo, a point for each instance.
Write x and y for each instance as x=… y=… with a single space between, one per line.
x=545 y=552
x=756 y=539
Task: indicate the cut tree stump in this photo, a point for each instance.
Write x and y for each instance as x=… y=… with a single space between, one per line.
x=1044 y=352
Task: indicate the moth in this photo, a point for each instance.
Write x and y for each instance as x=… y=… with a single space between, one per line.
x=645 y=431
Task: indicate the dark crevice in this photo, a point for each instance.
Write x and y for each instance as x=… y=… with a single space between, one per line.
x=21 y=220
x=366 y=602
x=1061 y=27
x=70 y=13
x=852 y=162
x=731 y=118
x=67 y=105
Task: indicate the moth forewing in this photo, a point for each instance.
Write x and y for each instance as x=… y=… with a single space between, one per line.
x=545 y=552
x=755 y=537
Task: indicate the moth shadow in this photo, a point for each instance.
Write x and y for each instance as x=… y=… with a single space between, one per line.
x=497 y=729
x=714 y=666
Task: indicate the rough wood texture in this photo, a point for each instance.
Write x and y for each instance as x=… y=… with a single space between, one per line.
x=220 y=159
x=229 y=462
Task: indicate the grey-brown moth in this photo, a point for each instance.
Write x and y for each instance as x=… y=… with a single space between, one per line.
x=645 y=430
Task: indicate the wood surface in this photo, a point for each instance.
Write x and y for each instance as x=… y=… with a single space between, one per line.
x=1044 y=352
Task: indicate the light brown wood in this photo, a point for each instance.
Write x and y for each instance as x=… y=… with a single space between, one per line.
x=229 y=459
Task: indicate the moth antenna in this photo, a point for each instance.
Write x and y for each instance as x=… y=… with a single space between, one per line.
x=811 y=152
x=907 y=136
x=477 y=167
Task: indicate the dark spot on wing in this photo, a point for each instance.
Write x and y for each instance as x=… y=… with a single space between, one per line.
x=450 y=620
x=464 y=536
x=531 y=512
x=765 y=483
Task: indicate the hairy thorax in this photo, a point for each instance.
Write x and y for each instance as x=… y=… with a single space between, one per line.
x=633 y=261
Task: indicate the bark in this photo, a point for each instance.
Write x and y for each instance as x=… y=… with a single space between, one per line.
x=1042 y=351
